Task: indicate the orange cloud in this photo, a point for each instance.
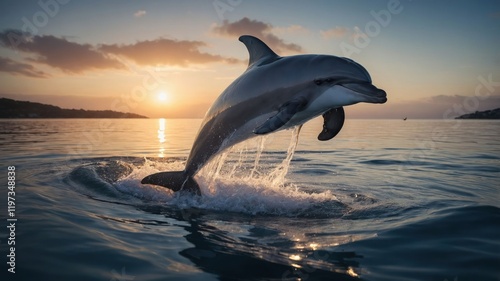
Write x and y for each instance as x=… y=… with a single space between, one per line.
x=258 y=29
x=77 y=58
x=58 y=52
x=17 y=68
x=336 y=32
x=166 y=52
x=292 y=29
x=139 y=13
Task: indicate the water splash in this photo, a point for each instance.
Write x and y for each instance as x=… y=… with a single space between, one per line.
x=277 y=177
x=260 y=148
x=242 y=163
x=248 y=178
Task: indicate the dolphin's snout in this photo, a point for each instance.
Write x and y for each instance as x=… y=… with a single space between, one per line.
x=381 y=95
x=369 y=92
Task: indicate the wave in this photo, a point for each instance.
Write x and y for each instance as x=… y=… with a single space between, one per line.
x=453 y=243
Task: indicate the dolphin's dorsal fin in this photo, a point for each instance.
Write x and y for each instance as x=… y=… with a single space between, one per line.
x=258 y=51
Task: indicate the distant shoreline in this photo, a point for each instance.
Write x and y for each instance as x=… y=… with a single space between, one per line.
x=13 y=109
x=486 y=115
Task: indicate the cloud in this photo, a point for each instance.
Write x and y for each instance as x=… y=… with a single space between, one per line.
x=17 y=68
x=77 y=58
x=165 y=52
x=340 y=32
x=258 y=29
x=139 y=13
x=336 y=32
x=292 y=29
x=58 y=52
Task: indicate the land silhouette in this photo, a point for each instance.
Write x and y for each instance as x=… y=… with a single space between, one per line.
x=10 y=108
x=487 y=114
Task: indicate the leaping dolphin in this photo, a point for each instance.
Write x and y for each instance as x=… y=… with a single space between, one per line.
x=273 y=94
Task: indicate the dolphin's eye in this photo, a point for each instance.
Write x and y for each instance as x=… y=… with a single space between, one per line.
x=318 y=81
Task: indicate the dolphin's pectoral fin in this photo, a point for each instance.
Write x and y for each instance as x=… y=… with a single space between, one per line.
x=333 y=122
x=284 y=115
x=176 y=181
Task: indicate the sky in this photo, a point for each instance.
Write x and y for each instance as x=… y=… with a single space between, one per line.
x=172 y=59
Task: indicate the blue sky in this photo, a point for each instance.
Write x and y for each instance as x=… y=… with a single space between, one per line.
x=428 y=56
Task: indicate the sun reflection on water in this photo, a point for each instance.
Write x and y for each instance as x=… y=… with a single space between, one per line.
x=161 y=136
x=351 y=272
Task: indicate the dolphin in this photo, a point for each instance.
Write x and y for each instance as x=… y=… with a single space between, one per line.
x=274 y=93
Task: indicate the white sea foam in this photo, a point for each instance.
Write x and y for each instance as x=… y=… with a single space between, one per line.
x=232 y=182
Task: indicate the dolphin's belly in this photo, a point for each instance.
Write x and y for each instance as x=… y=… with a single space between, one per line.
x=333 y=97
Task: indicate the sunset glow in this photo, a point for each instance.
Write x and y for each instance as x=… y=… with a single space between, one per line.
x=162 y=96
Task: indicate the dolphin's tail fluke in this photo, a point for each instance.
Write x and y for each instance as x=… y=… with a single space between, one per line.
x=175 y=181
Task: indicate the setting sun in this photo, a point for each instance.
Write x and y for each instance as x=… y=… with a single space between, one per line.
x=162 y=96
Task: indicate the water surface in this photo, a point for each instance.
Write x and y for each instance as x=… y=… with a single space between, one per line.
x=384 y=200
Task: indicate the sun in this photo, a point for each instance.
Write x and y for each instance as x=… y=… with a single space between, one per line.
x=162 y=96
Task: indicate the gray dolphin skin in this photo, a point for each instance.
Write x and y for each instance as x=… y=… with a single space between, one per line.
x=273 y=94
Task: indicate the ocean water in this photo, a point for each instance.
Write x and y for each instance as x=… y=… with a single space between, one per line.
x=384 y=200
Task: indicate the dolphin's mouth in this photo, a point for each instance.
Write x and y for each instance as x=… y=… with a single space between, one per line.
x=368 y=91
